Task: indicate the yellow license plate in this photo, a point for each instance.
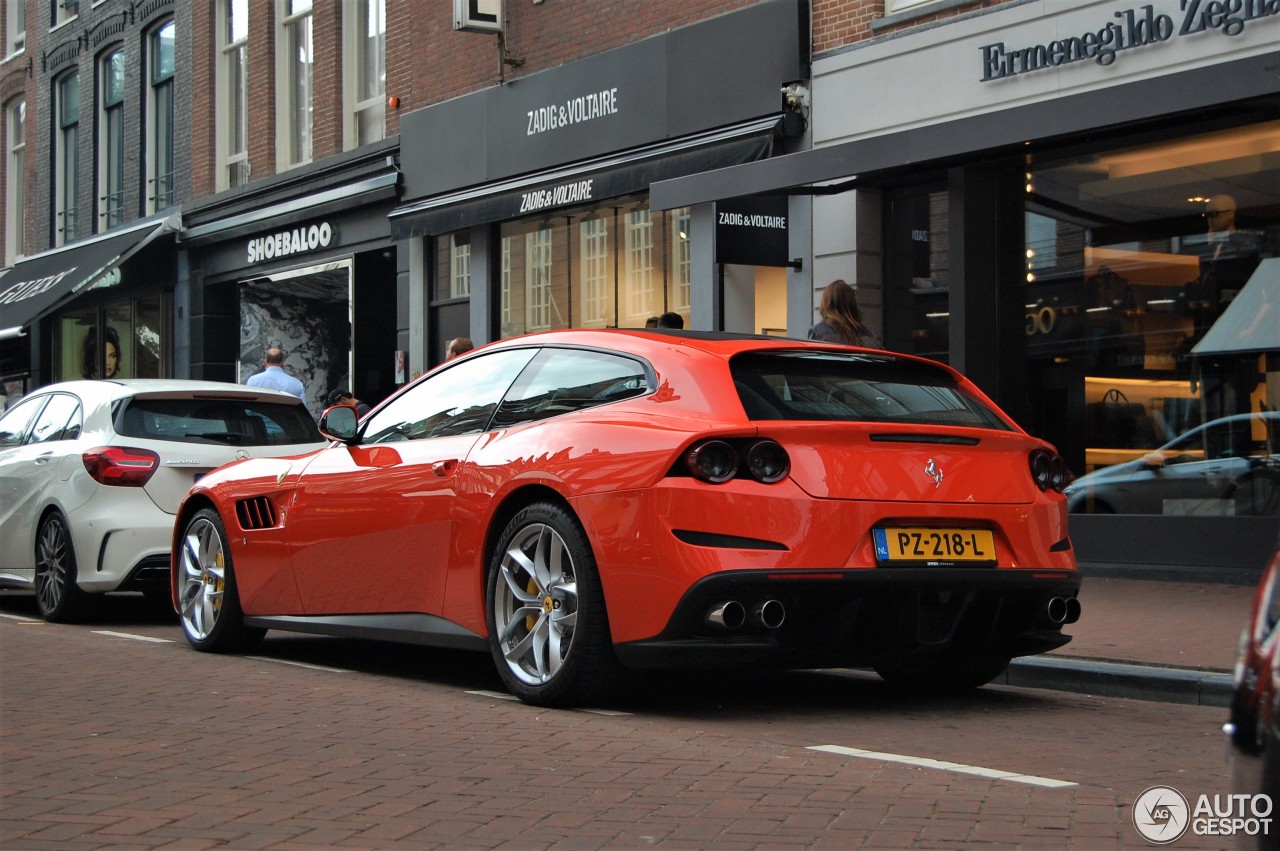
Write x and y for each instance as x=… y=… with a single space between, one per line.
x=934 y=546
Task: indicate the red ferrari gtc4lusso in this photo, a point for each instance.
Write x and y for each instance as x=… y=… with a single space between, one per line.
x=585 y=503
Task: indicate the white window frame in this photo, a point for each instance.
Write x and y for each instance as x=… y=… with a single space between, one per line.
x=290 y=133
x=357 y=15
x=538 y=246
x=594 y=273
x=15 y=136
x=65 y=11
x=639 y=266
x=15 y=27
x=681 y=260
x=66 y=190
x=233 y=166
x=892 y=7
x=459 y=268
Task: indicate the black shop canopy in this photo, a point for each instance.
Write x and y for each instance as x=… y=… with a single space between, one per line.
x=41 y=283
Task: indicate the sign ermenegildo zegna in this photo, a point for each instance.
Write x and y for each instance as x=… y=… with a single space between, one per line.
x=1131 y=28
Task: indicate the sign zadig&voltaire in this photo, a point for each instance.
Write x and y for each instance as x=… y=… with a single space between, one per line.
x=1133 y=28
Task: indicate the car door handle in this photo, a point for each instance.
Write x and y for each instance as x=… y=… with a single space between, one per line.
x=444 y=468
x=44 y=458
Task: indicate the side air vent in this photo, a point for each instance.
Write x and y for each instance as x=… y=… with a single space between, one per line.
x=256 y=513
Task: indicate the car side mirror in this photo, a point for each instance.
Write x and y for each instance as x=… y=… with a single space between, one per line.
x=339 y=423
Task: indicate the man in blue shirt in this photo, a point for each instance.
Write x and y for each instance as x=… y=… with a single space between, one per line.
x=274 y=375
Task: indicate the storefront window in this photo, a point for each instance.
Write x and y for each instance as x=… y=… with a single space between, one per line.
x=123 y=339
x=918 y=269
x=600 y=267
x=1134 y=258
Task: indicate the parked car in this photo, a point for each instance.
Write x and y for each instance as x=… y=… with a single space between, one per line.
x=1254 y=725
x=580 y=503
x=92 y=472
x=1226 y=466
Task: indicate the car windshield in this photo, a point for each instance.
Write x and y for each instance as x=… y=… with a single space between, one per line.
x=849 y=387
x=226 y=421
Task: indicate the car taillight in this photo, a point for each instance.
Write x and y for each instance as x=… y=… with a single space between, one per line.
x=718 y=461
x=121 y=466
x=1049 y=470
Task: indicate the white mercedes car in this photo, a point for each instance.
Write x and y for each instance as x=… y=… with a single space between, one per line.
x=91 y=473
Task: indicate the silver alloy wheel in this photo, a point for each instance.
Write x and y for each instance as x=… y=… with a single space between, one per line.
x=203 y=580
x=51 y=565
x=536 y=604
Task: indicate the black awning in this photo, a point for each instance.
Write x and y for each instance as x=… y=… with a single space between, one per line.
x=574 y=186
x=38 y=284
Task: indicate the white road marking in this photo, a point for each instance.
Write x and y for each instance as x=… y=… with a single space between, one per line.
x=306 y=665
x=502 y=695
x=924 y=762
x=497 y=695
x=21 y=619
x=132 y=636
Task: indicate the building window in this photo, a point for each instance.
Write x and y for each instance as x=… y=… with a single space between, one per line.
x=15 y=27
x=233 y=94
x=295 y=63
x=160 y=193
x=593 y=254
x=15 y=126
x=365 y=75
x=111 y=142
x=67 y=159
x=65 y=10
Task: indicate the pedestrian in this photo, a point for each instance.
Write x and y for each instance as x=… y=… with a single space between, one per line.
x=842 y=319
x=670 y=319
x=652 y=322
x=343 y=396
x=273 y=375
x=457 y=346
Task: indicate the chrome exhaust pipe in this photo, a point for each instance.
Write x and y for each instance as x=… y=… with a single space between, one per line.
x=1073 y=610
x=728 y=615
x=769 y=614
x=1056 y=610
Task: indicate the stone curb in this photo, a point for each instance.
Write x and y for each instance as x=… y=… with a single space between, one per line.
x=1120 y=679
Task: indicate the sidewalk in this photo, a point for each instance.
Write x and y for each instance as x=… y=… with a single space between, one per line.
x=1147 y=639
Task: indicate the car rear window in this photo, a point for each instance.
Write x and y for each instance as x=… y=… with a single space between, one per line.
x=839 y=387
x=223 y=421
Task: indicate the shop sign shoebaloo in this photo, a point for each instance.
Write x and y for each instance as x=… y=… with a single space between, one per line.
x=286 y=242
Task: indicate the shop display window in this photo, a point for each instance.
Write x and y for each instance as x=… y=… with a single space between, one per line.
x=608 y=266
x=1133 y=256
x=123 y=339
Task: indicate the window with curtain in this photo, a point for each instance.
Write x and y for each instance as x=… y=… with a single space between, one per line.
x=296 y=63
x=365 y=72
x=233 y=94
x=160 y=177
x=595 y=271
x=111 y=142
x=67 y=159
x=15 y=125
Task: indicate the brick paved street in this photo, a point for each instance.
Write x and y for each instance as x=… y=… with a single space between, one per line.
x=114 y=741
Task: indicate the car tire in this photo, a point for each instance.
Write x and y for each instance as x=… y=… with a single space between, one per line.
x=548 y=629
x=208 y=599
x=59 y=597
x=950 y=671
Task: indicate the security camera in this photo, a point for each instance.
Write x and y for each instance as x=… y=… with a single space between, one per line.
x=795 y=96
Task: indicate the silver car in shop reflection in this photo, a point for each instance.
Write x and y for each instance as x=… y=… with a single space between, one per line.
x=1229 y=466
